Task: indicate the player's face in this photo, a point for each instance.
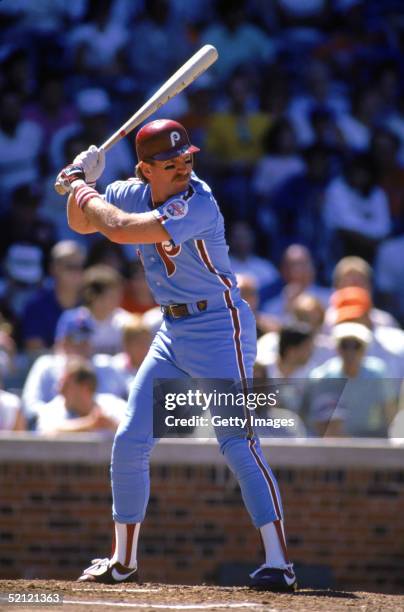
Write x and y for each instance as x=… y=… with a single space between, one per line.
x=171 y=176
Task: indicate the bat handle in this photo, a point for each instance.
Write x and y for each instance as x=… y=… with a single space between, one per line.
x=59 y=188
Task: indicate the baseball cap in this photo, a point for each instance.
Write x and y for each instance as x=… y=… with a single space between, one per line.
x=76 y=324
x=350 y=303
x=162 y=139
x=352 y=330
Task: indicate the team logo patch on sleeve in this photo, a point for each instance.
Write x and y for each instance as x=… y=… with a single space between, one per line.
x=176 y=209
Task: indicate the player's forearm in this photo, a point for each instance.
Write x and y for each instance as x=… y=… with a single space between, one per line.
x=122 y=227
x=76 y=219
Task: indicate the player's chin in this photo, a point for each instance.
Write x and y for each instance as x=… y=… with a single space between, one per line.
x=182 y=180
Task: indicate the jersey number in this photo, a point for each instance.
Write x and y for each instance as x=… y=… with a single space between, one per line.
x=167 y=251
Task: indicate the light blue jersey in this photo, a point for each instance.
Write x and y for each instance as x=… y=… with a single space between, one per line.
x=195 y=264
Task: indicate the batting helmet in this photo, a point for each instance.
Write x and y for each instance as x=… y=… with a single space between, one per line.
x=162 y=139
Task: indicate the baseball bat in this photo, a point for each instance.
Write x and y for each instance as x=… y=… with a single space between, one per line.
x=183 y=77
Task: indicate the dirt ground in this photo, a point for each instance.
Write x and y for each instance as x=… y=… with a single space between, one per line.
x=150 y=597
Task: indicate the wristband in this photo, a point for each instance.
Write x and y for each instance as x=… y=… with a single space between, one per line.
x=83 y=193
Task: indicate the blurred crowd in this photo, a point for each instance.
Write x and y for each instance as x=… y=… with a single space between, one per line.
x=301 y=130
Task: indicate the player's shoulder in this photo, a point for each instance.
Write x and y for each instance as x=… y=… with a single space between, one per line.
x=130 y=185
x=197 y=199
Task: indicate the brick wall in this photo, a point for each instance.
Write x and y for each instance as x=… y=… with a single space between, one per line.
x=344 y=510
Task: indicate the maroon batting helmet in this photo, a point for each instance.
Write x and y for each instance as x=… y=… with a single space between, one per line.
x=162 y=139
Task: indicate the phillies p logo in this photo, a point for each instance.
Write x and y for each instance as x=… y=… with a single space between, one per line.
x=174 y=138
x=167 y=250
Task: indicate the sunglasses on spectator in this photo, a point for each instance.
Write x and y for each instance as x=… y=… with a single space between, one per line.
x=350 y=345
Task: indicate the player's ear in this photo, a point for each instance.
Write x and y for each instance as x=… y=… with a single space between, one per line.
x=146 y=169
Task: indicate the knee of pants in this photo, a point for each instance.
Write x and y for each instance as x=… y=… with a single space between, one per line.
x=130 y=452
x=237 y=453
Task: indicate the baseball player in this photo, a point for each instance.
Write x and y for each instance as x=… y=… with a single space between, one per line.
x=208 y=331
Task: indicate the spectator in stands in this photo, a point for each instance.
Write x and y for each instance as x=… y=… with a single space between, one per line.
x=42 y=312
x=310 y=311
x=23 y=222
x=385 y=146
x=8 y=351
x=167 y=47
x=353 y=304
x=11 y=414
x=249 y=292
x=98 y=42
x=102 y=296
x=356 y=211
x=94 y=108
x=137 y=297
x=73 y=338
x=20 y=145
x=239 y=42
x=294 y=349
x=23 y=272
x=327 y=134
x=280 y=162
x=103 y=251
x=298 y=202
x=52 y=110
x=298 y=273
x=50 y=204
x=356 y=128
x=78 y=408
x=234 y=144
x=354 y=271
x=136 y=339
x=245 y=261
x=16 y=69
x=319 y=90
x=389 y=276
x=367 y=403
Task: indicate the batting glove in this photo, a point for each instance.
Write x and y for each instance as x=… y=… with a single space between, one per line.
x=68 y=176
x=93 y=162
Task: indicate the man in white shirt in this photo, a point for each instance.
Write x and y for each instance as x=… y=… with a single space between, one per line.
x=73 y=338
x=78 y=408
x=356 y=210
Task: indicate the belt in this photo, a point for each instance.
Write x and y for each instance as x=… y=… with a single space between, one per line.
x=178 y=311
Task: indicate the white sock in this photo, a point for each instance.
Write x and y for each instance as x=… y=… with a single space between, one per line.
x=126 y=537
x=273 y=537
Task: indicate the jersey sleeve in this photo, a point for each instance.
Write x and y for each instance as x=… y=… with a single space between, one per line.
x=188 y=216
x=124 y=194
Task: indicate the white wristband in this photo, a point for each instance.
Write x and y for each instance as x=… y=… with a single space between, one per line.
x=83 y=193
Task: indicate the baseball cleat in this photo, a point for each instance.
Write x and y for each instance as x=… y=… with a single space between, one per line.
x=101 y=571
x=274 y=579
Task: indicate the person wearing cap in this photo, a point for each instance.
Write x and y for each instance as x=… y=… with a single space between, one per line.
x=366 y=404
x=353 y=271
x=172 y=219
x=73 y=335
x=354 y=304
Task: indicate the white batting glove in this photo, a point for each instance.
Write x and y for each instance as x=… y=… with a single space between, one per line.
x=93 y=162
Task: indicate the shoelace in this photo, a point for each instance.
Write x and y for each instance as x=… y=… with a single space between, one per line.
x=96 y=563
